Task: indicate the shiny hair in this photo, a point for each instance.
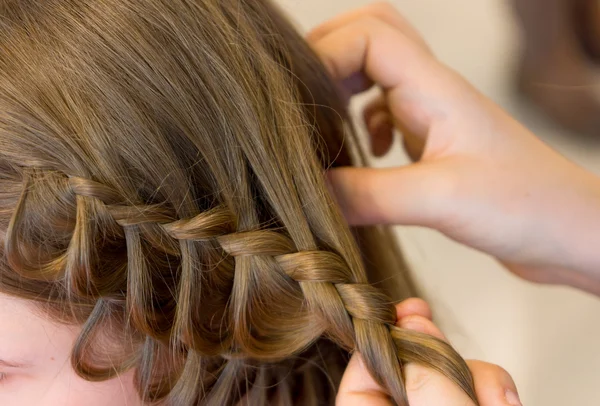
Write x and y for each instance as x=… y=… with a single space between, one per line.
x=161 y=184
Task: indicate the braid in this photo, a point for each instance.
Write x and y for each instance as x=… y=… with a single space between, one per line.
x=349 y=310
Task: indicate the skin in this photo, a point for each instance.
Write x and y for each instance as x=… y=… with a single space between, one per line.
x=479 y=177
x=477 y=168
x=27 y=337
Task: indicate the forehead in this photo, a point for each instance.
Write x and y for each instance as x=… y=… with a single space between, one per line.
x=25 y=331
x=19 y=314
x=15 y=313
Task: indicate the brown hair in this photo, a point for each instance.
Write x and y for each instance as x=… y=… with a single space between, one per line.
x=161 y=184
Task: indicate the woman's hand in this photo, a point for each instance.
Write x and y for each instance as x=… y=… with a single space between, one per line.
x=481 y=177
x=426 y=387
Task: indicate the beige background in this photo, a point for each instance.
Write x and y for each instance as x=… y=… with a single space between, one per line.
x=547 y=337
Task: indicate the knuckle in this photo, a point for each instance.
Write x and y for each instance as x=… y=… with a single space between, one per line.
x=417 y=302
x=370 y=22
x=371 y=28
x=491 y=370
x=383 y=6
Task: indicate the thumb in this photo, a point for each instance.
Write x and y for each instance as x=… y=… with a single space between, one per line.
x=426 y=387
x=409 y=195
x=359 y=388
x=494 y=386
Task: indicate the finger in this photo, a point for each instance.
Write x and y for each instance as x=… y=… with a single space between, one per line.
x=382 y=10
x=374 y=106
x=380 y=125
x=494 y=386
x=413 y=145
x=413 y=307
x=359 y=388
x=419 y=89
x=410 y=195
x=421 y=324
x=370 y=46
x=356 y=83
x=426 y=387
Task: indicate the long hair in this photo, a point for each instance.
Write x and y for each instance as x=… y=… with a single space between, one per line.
x=161 y=184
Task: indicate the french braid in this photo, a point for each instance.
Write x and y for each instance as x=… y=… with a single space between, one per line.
x=161 y=185
x=349 y=310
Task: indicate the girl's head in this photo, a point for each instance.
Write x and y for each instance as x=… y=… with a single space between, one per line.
x=165 y=226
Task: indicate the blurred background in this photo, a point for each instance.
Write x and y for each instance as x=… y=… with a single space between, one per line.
x=546 y=337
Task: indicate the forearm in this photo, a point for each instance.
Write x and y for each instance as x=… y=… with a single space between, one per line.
x=575 y=259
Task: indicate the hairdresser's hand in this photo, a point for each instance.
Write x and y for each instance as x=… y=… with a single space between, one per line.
x=426 y=387
x=481 y=177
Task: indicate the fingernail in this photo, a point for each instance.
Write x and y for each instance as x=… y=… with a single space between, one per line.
x=512 y=398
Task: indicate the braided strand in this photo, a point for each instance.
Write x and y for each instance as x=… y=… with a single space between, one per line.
x=353 y=311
